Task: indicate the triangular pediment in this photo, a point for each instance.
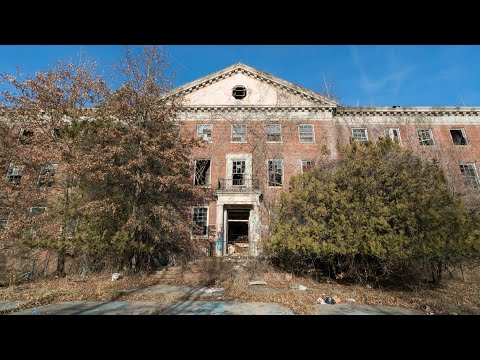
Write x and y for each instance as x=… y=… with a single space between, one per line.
x=262 y=89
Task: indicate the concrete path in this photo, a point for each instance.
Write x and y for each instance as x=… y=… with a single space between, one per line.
x=358 y=309
x=8 y=305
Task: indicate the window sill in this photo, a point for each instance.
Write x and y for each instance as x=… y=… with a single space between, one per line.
x=238 y=142
x=274 y=142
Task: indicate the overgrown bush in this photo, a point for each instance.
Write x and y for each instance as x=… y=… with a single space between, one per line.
x=380 y=212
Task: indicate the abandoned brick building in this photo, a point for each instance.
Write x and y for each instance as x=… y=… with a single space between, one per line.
x=259 y=130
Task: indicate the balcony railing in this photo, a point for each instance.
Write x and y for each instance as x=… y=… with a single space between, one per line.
x=245 y=184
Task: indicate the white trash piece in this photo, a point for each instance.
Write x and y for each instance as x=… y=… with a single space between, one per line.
x=211 y=290
x=321 y=301
x=302 y=287
x=351 y=300
x=116 y=276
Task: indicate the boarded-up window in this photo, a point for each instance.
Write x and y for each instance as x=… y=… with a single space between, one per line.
x=305 y=133
x=202 y=172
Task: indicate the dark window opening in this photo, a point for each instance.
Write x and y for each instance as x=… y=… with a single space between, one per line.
x=26 y=132
x=239 y=92
x=275 y=172
x=238 y=172
x=200 y=227
x=57 y=133
x=458 y=137
x=202 y=172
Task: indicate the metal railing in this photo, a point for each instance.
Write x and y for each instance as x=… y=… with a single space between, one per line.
x=245 y=184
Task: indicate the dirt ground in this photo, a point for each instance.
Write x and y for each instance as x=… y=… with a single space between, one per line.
x=454 y=297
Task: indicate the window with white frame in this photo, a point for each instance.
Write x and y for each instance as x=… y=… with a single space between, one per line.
x=305 y=133
x=275 y=172
x=200 y=221
x=45 y=176
x=238 y=172
x=307 y=165
x=425 y=137
x=274 y=133
x=204 y=132
x=394 y=134
x=470 y=175
x=14 y=172
x=458 y=136
x=239 y=133
x=359 y=135
x=202 y=172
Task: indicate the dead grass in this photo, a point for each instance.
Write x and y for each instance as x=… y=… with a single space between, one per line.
x=454 y=297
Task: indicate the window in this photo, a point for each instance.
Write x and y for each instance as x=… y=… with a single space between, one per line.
x=239 y=133
x=202 y=172
x=239 y=92
x=359 y=135
x=36 y=210
x=393 y=134
x=305 y=133
x=238 y=172
x=425 y=137
x=56 y=133
x=458 y=136
x=470 y=175
x=200 y=221
x=204 y=132
x=275 y=172
x=26 y=132
x=274 y=133
x=45 y=177
x=3 y=223
x=307 y=165
x=14 y=172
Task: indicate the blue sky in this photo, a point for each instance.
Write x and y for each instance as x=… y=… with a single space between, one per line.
x=379 y=75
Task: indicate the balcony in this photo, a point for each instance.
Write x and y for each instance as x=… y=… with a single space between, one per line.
x=238 y=185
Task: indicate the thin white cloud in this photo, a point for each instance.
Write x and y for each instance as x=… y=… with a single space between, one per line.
x=357 y=60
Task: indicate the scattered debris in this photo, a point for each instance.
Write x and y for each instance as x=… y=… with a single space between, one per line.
x=231 y=249
x=211 y=290
x=368 y=286
x=288 y=277
x=330 y=301
x=302 y=287
x=260 y=282
x=351 y=300
x=321 y=301
x=116 y=276
x=428 y=309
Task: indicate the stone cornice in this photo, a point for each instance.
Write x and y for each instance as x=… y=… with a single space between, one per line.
x=223 y=109
x=407 y=111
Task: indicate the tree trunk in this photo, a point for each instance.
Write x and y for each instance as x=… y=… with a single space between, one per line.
x=62 y=255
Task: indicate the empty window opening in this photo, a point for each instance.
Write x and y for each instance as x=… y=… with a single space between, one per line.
x=238 y=172
x=200 y=221
x=237 y=234
x=239 y=92
x=26 y=132
x=57 y=133
x=425 y=137
x=307 y=165
x=202 y=172
x=275 y=172
x=393 y=134
x=305 y=133
x=45 y=177
x=274 y=133
x=14 y=172
x=470 y=175
x=204 y=132
x=359 y=135
x=36 y=210
x=458 y=136
x=239 y=133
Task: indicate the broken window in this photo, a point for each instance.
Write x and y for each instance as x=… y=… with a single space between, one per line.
x=275 y=172
x=458 y=136
x=56 y=133
x=202 y=172
x=239 y=92
x=14 y=172
x=36 y=210
x=3 y=223
x=305 y=133
x=393 y=134
x=204 y=132
x=425 y=137
x=45 y=177
x=26 y=132
x=239 y=133
x=359 y=135
x=470 y=175
x=200 y=221
x=238 y=172
x=307 y=165
x=274 y=133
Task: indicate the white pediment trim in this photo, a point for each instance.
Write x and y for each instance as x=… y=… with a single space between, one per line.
x=257 y=74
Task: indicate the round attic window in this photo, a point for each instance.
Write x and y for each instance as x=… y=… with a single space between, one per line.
x=239 y=92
